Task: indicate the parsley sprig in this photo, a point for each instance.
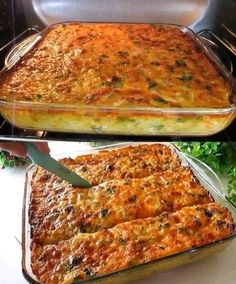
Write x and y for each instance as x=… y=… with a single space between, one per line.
x=9 y=161
x=221 y=157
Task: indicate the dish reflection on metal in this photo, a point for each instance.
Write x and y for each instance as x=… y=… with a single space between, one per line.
x=183 y=12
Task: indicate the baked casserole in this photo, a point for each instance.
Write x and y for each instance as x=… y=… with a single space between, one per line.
x=131 y=215
x=118 y=78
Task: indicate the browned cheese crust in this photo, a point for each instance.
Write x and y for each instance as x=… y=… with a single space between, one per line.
x=130 y=243
x=144 y=205
x=119 y=65
x=73 y=210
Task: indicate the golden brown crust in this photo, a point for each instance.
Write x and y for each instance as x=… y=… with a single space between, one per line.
x=123 y=164
x=127 y=162
x=143 y=206
x=131 y=243
x=75 y=210
x=119 y=65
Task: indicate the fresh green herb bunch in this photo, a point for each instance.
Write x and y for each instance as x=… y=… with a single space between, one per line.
x=101 y=143
x=9 y=161
x=232 y=184
x=221 y=157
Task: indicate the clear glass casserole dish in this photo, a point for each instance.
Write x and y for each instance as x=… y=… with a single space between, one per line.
x=204 y=175
x=156 y=118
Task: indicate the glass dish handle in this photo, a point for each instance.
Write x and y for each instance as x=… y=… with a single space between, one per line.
x=226 y=61
x=20 y=47
x=20 y=50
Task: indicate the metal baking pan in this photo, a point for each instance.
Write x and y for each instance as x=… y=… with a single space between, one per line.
x=112 y=120
x=205 y=176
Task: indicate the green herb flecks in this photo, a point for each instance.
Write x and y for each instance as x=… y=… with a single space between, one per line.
x=123 y=53
x=39 y=96
x=232 y=184
x=160 y=100
x=125 y=119
x=180 y=120
x=114 y=81
x=158 y=127
x=9 y=161
x=186 y=77
x=152 y=86
x=122 y=241
x=180 y=63
x=96 y=129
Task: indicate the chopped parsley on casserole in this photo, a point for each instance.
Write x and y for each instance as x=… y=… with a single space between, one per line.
x=143 y=205
x=117 y=65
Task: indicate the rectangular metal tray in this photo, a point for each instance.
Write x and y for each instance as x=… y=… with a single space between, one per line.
x=145 y=121
x=206 y=177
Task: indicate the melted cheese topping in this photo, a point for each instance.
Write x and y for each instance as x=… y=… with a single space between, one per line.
x=130 y=243
x=118 y=65
x=143 y=206
x=72 y=210
x=128 y=162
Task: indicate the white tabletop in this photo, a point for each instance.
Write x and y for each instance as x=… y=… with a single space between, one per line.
x=217 y=269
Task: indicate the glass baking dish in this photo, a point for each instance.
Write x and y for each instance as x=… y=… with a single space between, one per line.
x=206 y=177
x=90 y=119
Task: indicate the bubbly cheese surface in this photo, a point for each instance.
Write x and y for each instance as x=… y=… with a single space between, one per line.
x=117 y=65
x=144 y=205
x=131 y=243
x=75 y=210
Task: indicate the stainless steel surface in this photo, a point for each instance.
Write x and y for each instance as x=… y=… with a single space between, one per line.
x=183 y=12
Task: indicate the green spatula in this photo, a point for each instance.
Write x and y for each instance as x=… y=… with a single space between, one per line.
x=47 y=162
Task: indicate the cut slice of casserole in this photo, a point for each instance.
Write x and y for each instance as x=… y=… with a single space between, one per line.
x=72 y=210
x=145 y=204
x=130 y=243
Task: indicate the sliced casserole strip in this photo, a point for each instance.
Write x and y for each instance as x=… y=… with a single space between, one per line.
x=130 y=243
x=129 y=162
x=73 y=210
